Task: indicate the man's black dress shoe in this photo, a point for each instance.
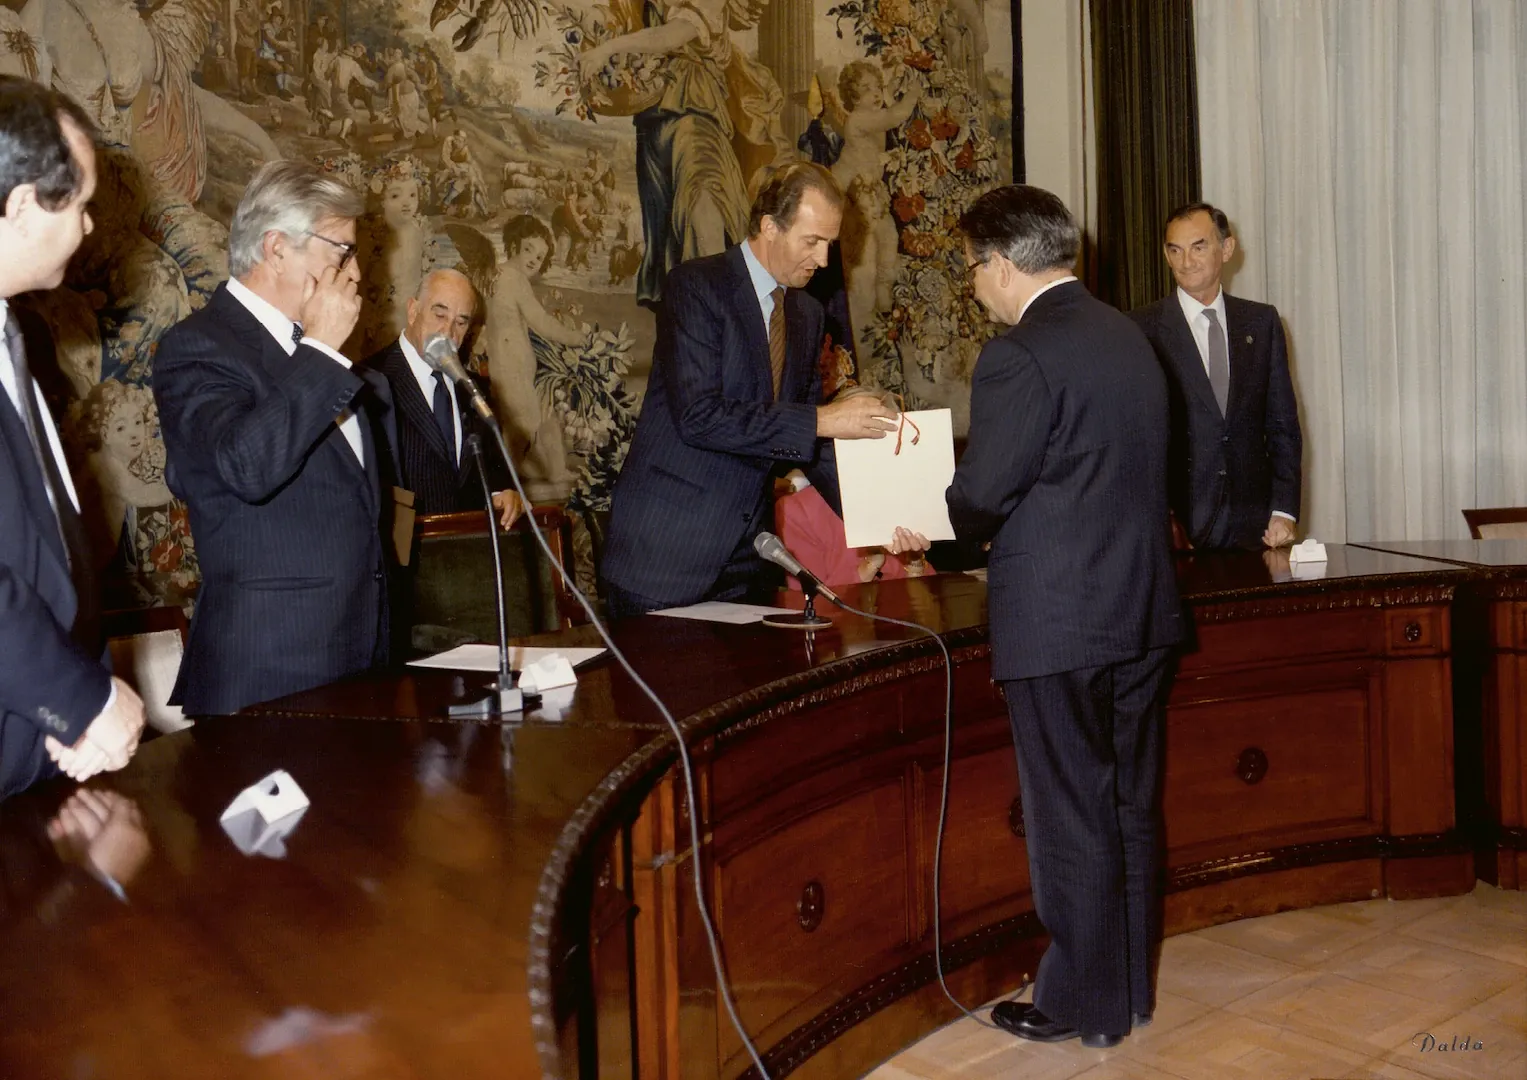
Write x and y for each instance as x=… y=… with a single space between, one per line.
x=1141 y=1019
x=1027 y=1022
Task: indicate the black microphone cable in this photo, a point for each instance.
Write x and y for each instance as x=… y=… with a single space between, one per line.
x=770 y=547
x=722 y=985
x=943 y=804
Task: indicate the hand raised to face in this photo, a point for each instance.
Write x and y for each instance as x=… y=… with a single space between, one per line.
x=331 y=306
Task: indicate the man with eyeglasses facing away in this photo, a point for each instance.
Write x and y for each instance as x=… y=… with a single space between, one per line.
x=282 y=452
x=1065 y=476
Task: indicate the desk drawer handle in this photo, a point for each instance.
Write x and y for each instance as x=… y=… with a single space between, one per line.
x=810 y=907
x=1251 y=766
x=1412 y=632
x=1015 y=816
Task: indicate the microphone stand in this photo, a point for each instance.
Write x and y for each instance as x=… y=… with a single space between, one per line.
x=808 y=619
x=503 y=697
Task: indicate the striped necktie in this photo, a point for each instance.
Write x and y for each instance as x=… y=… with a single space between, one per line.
x=777 y=339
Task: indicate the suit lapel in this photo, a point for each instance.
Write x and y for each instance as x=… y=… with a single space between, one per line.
x=746 y=302
x=409 y=399
x=379 y=431
x=1241 y=347
x=30 y=479
x=1184 y=353
x=799 y=356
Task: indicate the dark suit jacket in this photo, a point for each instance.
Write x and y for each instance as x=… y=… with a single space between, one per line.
x=1229 y=473
x=1065 y=474
x=50 y=683
x=287 y=523
x=424 y=464
x=696 y=482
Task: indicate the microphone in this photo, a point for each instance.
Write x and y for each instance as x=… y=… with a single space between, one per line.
x=440 y=354
x=773 y=549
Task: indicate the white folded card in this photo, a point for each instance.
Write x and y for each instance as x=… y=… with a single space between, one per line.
x=722 y=611
x=262 y=815
x=485 y=657
x=1307 y=552
x=554 y=704
x=883 y=487
x=1308 y=570
x=547 y=673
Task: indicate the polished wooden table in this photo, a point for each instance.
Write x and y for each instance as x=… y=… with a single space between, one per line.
x=466 y=899
x=1490 y=689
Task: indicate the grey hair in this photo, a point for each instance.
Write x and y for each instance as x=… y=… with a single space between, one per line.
x=287 y=197
x=1028 y=226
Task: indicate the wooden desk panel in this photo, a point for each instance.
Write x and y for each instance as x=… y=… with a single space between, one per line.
x=480 y=900
x=1491 y=688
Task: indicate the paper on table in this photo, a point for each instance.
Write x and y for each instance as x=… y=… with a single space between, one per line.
x=485 y=657
x=883 y=489
x=722 y=611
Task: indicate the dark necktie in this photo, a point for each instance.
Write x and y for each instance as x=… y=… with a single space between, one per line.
x=86 y=630
x=1219 y=361
x=777 y=339
x=444 y=416
x=296 y=333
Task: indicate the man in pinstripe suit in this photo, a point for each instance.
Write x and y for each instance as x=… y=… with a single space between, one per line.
x=432 y=428
x=735 y=390
x=60 y=707
x=282 y=453
x=1065 y=475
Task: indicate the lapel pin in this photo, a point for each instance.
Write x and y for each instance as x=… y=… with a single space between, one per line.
x=1248 y=339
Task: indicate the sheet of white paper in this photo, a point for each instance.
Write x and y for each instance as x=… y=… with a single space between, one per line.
x=883 y=489
x=485 y=657
x=722 y=611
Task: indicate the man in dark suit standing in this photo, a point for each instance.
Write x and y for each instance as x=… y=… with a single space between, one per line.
x=1065 y=476
x=1235 y=472
x=59 y=705
x=282 y=453
x=735 y=390
x=432 y=428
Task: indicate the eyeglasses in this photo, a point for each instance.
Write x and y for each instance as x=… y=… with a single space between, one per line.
x=346 y=251
x=972 y=267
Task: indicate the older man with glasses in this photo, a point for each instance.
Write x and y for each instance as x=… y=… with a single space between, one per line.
x=282 y=451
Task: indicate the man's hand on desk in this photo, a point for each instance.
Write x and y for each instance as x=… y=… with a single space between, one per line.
x=857 y=416
x=108 y=743
x=1280 y=532
x=509 y=508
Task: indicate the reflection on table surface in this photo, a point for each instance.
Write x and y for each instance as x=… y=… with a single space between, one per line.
x=391 y=939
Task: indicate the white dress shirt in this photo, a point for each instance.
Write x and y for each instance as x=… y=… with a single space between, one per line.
x=280 y=328
x=1040 y=292
x=425 y=376
x=1198 y=323
x=763 y=283
x=8 y=380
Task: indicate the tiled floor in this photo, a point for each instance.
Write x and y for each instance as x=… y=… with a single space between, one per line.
x=1337 y=992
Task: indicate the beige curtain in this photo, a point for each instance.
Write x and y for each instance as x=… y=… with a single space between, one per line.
x=1370 y=155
